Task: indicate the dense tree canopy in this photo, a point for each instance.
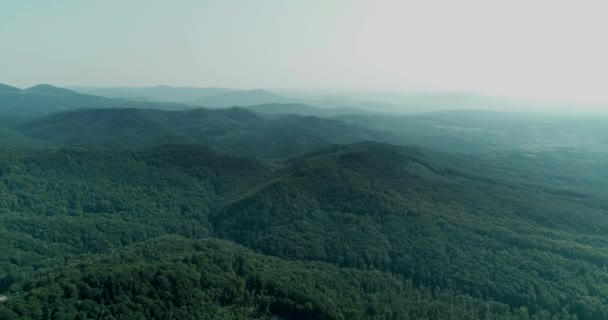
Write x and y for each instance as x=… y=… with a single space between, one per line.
x=358 y=231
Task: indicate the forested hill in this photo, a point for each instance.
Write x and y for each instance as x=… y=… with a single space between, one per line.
x=45 y=99
x=476 y=131
x=302 y=109
x=44 y=116
x=358 y=231
x=234 y=130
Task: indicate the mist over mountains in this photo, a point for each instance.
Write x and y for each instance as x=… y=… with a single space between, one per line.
x=63 y=119
x=44 y=99
x=235 y=130
x=383 y=102
x=175 y=203
x=303 y=160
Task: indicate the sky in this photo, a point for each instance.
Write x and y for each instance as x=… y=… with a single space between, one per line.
x=525 y=48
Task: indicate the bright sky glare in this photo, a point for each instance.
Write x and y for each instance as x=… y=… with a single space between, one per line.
x=532 y=48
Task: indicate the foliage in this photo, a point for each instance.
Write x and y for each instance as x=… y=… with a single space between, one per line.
x=362 y=231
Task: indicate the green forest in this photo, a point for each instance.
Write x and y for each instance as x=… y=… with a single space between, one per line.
x=303 y=160
x=359 y=231
x=286 y=211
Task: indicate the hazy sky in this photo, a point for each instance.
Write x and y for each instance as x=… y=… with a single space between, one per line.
x=526 y=48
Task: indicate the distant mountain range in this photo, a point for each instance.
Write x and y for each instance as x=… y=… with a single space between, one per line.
x=241 y=98
x=233 y=130
x=457 y=130
x=145 y=206
x=45 y=99
x=202 y=97
x=383 y=102
x=303 y=109
x=184 y=95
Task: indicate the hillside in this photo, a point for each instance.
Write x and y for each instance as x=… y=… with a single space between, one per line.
x=175 y=278
x=241 y=98
x=387 y=208
x=352 y=231
x=156 y=94
x=6 y=88
x=45 y=99
x=202 y=97
x=233 y=130
x=489 y=131
x=13 y=138
x=370 y=101
x=302 y=109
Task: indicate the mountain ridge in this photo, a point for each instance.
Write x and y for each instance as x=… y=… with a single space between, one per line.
x=233 y=130
x=46 y=99
x=368 y=210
